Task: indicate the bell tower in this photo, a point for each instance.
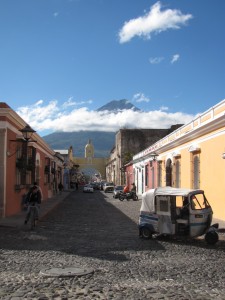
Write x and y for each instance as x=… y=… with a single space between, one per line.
x=89 y=151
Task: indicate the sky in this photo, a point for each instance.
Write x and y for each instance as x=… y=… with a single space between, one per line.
x=61 y=60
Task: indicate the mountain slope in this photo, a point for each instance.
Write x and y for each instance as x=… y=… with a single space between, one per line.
x=118 y=105
x=103 y=142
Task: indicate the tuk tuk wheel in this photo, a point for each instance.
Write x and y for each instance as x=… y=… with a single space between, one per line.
x=145 y=233
x=211 y=237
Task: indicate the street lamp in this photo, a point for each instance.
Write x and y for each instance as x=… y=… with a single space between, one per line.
x=27 y=132
x=22 y=160
x=154 y=155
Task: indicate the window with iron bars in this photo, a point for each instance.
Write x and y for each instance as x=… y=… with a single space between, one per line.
x=195 y=164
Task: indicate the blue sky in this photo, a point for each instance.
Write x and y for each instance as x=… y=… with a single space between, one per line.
x=60 y=60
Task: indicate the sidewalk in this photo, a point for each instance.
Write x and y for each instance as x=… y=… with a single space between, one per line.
x=46 y=206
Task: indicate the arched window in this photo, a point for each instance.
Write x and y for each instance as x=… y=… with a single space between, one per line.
x=177 y=174
x=195 y=150
x=196 y=172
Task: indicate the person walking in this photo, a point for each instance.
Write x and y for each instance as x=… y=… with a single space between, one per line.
x=133 y=189
x=60 y=187
x=76 y=184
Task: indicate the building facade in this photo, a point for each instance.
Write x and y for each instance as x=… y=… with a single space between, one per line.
x=24 y=161
x=128 y=142
x=193 y=156
x=68 y=165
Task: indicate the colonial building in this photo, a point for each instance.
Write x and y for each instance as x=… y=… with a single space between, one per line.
x=68 y=166
x=111 y=168
x=25 y=158
x=128 y=142
x=192 y=156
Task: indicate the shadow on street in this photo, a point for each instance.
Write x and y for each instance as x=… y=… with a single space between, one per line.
x=89 y=225
x=83 y=224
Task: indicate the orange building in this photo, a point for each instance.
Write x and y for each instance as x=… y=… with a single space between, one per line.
x=25 y=158
x=193 y=156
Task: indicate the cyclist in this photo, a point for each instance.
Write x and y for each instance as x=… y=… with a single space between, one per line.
x=39 y=188
x=33 y=199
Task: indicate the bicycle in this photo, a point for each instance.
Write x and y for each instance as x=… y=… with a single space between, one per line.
x=33 y=216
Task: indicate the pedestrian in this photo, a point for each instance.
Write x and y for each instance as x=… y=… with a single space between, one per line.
x=33 y=199
x=60 y=187
x=133 y=189
x=76 y=183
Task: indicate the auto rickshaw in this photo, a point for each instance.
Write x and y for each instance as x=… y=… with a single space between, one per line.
x=176 y=212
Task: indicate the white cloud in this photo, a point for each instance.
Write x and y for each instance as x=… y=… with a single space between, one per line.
x=175 y=58
x=155 y=21
x=140 y=97
x=51 y=117
x=37 y=114
x=155 y=60
x=70 y=102
x=164 y=108
x=39 y=102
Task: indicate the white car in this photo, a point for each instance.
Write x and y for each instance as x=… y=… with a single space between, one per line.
x=117 y=190
x=88 y=188
x=108 y=187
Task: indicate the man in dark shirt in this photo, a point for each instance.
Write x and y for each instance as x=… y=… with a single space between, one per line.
x=33 y=199
x=133 y=188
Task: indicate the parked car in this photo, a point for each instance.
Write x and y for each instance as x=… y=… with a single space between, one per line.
x=102 y=184
x=95 y=185
x=108 y=187
x=117 y=190
x=88 y=188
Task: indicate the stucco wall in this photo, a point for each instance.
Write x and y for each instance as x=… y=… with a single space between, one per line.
x=203 y=137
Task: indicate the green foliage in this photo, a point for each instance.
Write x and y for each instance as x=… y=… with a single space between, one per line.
x=128 y=156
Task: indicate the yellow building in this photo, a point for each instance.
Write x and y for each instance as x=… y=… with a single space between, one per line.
x=193 y=156
x=92 y=167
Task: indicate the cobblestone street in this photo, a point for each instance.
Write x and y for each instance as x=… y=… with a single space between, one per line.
x=99 y=232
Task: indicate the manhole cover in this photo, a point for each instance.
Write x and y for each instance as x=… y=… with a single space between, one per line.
x=66 y=272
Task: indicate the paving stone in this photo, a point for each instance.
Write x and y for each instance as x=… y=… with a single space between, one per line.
x=100 y=233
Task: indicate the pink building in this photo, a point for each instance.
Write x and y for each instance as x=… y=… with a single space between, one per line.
x=25 y=158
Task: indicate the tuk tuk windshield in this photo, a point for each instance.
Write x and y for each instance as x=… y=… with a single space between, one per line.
x=199 y=201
